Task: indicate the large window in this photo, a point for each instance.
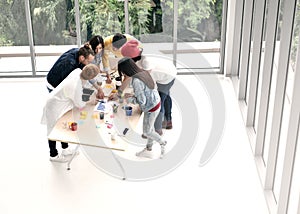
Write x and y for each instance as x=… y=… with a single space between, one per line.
x=56 y=26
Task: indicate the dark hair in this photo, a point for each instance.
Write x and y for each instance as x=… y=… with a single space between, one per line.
x=128 y=67
x=95 y=41
x=85 y=51
x=118 y=40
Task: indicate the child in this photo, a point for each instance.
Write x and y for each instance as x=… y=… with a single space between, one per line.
x=148 y=99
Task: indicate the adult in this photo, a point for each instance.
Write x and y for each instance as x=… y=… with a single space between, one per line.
x=112 y=45
x=67 y=95
x=148 y=99
x=68 y=62
x=163 y=72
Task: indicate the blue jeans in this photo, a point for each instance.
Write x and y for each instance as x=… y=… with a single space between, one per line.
x=166 y=104
x=148 y=128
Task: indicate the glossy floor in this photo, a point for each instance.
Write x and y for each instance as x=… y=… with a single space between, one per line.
x=30 y=183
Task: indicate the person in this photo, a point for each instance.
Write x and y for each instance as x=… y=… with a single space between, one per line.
x=68 y=62
x=112 y=44
x=67 y=95
x=148 y=99
x=97 y=45
x=163 y=72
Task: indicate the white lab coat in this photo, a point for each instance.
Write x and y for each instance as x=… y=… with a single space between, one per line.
x=66 y=96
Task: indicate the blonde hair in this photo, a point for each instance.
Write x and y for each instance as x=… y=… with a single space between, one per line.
x=90 y=71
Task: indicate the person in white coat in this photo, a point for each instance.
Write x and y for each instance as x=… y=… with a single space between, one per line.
x=67 y=95
x=163 y=73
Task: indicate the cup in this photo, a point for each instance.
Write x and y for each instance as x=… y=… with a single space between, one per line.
x=115 y=108
x=113 y=136
x=101 y=115
x=73 y=126
x=128 y=110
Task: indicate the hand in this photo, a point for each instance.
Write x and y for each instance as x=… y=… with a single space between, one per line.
x=113 y=96
x=108 y=80
x=100 y=94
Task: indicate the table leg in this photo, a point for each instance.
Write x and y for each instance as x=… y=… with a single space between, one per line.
x=120 y=164
x=72 y=157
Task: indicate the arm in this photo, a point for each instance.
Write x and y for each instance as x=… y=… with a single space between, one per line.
x=100 y=93
x=139 y=88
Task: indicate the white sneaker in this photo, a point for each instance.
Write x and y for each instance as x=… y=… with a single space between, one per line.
x=59 y=158
x=145 y=153
x=162 y=149
x=68 y=151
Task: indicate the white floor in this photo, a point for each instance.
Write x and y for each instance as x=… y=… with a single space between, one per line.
x=30 y=183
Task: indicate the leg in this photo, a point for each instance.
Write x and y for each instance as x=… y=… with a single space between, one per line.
x=52 y=147
x=148 y=124
x=64 y=145
x=160 y=117
x=168 y=113
x=54 y=156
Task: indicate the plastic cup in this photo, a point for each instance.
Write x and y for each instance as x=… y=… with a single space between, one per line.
x=101 y=115
x=128 y=110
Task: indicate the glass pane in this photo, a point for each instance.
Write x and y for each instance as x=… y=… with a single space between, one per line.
x=250 y=53
x=262 y=51
x=273 y=84
x=286 y=112
x=199 y=34
x=53 y=27
x=295 y=185
x=153 y=25
x=14 y=45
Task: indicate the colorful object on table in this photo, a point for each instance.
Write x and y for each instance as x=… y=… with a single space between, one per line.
x=115 y=108
x=128 y=110
x=109 y=126
x=101 y=115
x=95 y=116
x=73 y=126
x=80 y=122
x=83 y=114
x=101 y=106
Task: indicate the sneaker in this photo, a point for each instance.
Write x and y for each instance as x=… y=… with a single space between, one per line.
x=68 y=152
x=145 y=153
x=58 y=158
x=169 y=125
x=162 y=149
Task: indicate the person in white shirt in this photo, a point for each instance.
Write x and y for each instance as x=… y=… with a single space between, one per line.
x=67 y=95
x=163 y=72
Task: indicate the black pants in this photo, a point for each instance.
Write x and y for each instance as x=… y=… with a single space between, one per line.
x=52 y=144
x=52 y=147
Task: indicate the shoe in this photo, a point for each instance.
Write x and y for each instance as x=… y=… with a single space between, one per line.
x=145 y=153
x=169 y=125
x=144 y=136
x=58 y=158
x=68 y=151
x=159 y=132
x=162 y=149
